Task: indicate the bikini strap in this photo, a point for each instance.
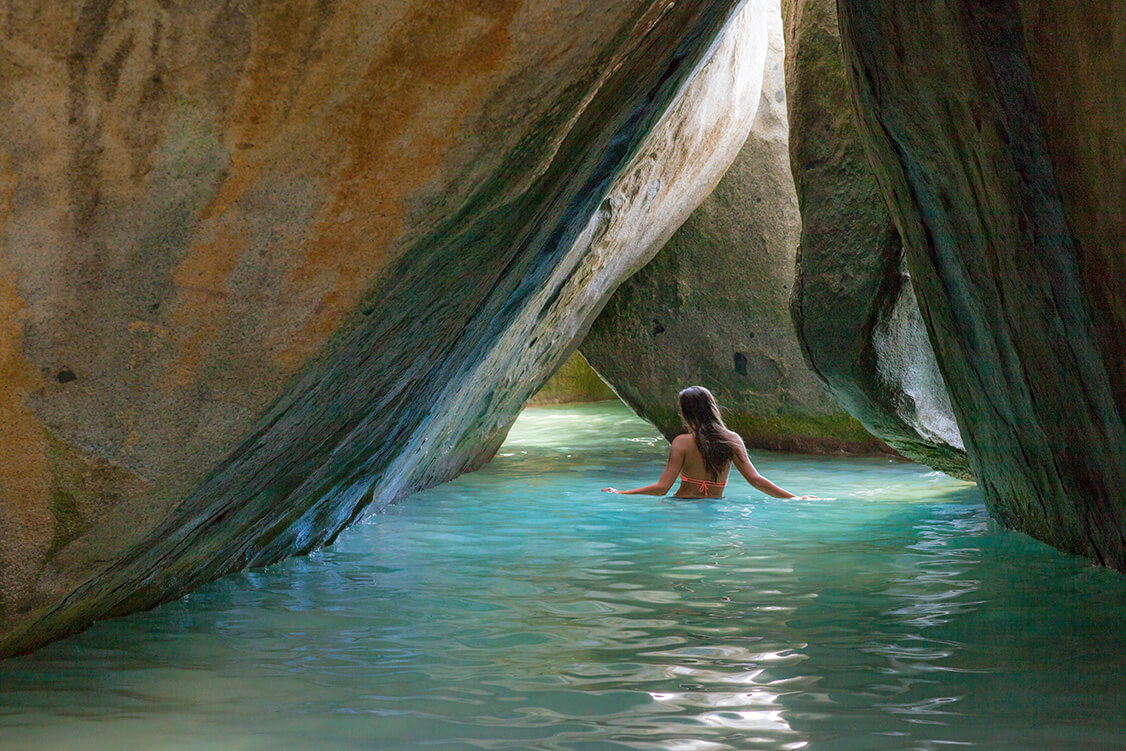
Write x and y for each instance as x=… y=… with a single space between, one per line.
x=705 y=483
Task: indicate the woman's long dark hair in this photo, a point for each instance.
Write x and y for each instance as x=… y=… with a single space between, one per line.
x=700 y=412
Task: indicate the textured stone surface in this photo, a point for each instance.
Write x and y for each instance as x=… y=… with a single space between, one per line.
x=712 y=307
x=263 y=267
x=853 y=303
x=575 y=381
x=997 y=137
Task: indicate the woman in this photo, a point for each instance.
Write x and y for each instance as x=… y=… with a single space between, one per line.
x=703 y=457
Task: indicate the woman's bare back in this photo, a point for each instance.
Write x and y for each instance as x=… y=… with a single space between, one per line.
x=700 y=413
x=695 y=480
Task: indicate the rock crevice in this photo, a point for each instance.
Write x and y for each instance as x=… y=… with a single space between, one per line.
x=711 y=307
x=853 y=303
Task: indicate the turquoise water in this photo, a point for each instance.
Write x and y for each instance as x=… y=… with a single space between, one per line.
x=521 y=608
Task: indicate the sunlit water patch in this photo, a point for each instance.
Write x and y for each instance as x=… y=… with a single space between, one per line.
x=521 y=608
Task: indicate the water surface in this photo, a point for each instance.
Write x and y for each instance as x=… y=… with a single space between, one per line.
x=520 y=608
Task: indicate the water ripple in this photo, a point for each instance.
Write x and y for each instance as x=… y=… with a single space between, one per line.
x=520 y=608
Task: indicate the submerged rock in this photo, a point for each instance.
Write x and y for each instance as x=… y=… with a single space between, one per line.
x=996 y=134
x=853 y=303
x=712 y=307
x=263 y=268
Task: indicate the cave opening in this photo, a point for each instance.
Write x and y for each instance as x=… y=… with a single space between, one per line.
x=278 y=283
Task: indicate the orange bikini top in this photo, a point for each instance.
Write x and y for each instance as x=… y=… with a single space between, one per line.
x=705 y=485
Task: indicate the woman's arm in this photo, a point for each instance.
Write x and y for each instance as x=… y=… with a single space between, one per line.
x=742 y=463
x=668 y=477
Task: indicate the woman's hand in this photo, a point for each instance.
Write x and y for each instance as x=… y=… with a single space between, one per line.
x=611 y=490
x=806 y=498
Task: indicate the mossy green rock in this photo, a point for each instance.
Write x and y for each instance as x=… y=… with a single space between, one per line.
x=853 y=304
x=574 y=382
x=711 y=308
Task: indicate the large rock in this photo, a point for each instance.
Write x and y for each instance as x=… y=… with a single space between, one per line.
x=853 y=303
x=574 y=382
x=263 y=267
x=997 y=136
x=712 y=307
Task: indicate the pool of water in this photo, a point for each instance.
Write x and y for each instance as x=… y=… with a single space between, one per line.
x=520 y=608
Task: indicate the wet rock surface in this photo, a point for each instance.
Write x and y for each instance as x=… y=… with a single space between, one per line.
x=260 y=271
x=853 y=304
x=996 y=135
x=712 y=307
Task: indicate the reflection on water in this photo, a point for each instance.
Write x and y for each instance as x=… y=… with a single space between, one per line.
x=520 y=608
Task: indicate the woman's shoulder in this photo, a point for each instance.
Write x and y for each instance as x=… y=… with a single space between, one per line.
x=684 y=439
x=734 y=438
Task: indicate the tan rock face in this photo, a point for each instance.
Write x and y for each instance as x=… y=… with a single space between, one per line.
x=712 y=308
x=853 y=303
x=262 y=266
x=996 y=134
